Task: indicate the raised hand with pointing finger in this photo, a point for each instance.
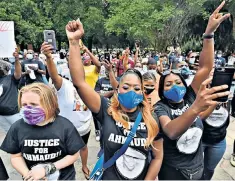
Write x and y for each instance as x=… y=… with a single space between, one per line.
x=216 y=19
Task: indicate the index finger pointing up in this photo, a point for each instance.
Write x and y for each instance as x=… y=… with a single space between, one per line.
x=219 y=8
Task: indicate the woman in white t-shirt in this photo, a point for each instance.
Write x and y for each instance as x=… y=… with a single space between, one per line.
x=70 y=104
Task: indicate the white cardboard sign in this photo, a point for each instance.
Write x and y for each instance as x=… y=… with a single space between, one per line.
x=7 y=39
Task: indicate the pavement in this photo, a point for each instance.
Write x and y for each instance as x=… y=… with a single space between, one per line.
x=224 y=170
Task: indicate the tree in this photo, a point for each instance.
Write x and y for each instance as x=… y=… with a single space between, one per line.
x=29 y=21
x=158 y=21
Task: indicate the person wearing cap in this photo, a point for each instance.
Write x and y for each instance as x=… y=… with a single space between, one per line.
x=9 y=93
x=32 y=69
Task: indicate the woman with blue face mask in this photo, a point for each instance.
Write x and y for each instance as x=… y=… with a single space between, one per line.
x=180 y=109
x=117 y=117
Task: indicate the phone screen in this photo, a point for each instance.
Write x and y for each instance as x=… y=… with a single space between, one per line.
x=223 y=76
x=107 y=56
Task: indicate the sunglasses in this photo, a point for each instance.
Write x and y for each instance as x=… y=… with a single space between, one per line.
x=168 y=72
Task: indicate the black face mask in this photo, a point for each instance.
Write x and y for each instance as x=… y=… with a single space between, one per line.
x=148 y=91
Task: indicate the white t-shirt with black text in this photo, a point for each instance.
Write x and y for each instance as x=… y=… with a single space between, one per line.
x=72 y=107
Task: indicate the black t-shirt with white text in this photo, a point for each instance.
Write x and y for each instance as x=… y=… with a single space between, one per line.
x=35 y=63
x=44 y=144
x=8 y=95
x=133 y=164
x=103 y=85
x=186 y=151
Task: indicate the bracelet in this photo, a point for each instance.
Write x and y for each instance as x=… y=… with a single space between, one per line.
x=208 y=36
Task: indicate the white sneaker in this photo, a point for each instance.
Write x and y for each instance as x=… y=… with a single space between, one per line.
x=97 y=135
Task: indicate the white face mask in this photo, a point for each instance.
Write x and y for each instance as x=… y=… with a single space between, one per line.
x=154 y=72
x=192 y=60
x=219 y=55
x=29 y=56
x=139 y=69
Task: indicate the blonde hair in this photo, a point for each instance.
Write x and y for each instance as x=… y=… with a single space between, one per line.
x=48 y=98
x=118 y=115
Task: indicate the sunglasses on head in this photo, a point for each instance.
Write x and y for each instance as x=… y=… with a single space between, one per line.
x=168 y=72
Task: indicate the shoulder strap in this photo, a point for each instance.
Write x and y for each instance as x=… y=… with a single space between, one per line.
x=124 y=147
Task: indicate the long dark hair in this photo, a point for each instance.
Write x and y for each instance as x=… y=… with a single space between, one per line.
x=161 y=84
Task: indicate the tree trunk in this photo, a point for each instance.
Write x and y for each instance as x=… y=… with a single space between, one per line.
x=233 y=21
x=90 y=41
x=59 y=42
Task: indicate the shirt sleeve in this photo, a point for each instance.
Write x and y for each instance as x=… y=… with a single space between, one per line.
x=22 y=67
x=160 y=110
x=11 y=143
x=103 y=107
x=73 y=141
x=66 y=92
x=41 y=66
x=14 y=79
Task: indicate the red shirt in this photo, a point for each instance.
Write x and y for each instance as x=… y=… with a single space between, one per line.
x=120 y=67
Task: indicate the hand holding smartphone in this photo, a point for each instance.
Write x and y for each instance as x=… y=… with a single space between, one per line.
x=107 y=56
x=49 y=37
x=223 y=76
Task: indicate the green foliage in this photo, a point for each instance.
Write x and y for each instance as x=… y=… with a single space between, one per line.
x=110 y=23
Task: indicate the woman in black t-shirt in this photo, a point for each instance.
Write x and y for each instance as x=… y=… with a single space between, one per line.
x=179 y=112
x=118 y=116
x=214 y=142
x=42 y=144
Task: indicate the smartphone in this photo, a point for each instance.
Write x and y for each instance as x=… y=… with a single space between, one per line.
x=107 y=56
x=223 y=76
x=49 y=37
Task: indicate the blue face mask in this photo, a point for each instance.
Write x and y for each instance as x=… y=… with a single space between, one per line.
x=185 y=72
x=176 y=93
x=130 y=99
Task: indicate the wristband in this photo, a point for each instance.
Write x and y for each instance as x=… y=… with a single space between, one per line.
x=207 y=36
x=52 y=168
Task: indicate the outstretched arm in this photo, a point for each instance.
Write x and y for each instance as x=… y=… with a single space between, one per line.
x=95 y=60
x=206 y=60
x=52 y=70
x=176 y=127
x=18 y=72
x=75 y=31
